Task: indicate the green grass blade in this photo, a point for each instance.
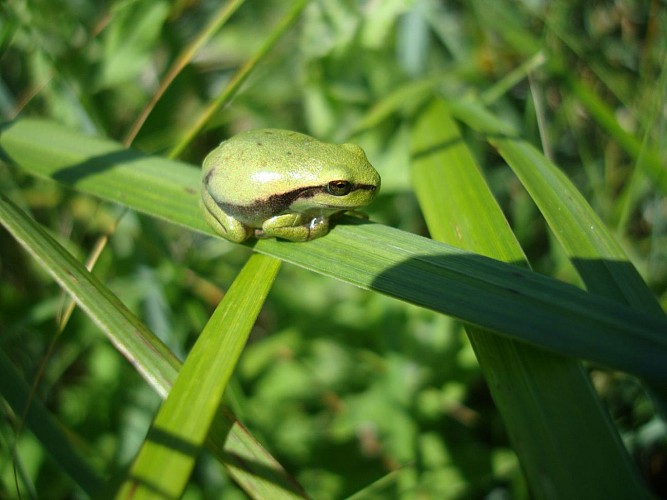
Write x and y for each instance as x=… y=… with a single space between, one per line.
x=564 y=439
x=168 y=455
x=248 y=461
x=218 y=19
x=517 y=35
x=646 y=157
x=597 y=256
x=241 y=75
x=150 y=356
x=44 y=426
x=477 y=290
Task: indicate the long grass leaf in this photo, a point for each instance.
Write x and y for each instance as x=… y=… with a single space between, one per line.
x=646 y=156
x=249 y=463
x=481 y=291
x=64 y=452
x=223 y=14
x=564 y=439
x=239 y=77
x=595 y=253
x=166 y=459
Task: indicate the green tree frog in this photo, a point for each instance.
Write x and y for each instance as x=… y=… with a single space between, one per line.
x=283 y=184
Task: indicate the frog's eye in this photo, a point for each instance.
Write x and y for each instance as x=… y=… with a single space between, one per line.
x=339 y=188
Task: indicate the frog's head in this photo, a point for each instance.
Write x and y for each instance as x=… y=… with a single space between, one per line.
x=346 y=181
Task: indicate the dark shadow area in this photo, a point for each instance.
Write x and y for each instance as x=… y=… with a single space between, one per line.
x=95 y=165
x=434 y=148
x=173 y=442
x=3 y=154
x=271 y=473
x=619 y=281
x=529 y=307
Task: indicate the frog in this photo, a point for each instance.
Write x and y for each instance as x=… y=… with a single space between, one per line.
x=276 y=183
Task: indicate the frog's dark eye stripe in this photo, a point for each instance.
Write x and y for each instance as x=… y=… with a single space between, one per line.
x=277 y=203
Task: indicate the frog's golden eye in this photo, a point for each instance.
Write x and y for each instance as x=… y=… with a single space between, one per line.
x=339 y=188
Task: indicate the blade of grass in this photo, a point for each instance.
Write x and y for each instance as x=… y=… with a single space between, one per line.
x=513 y=78
x=477 y=290
x=217 y=21
x=595 y=253
x=410 y=94
x=516 y=33
x=166 y=459
x=564 y=439
x=647 y=158
x=241 y=75
x=654 y=121
x=18 y=394
x=597 y=256
x=249 y=463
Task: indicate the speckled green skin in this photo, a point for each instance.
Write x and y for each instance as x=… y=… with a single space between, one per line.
x=278 y=183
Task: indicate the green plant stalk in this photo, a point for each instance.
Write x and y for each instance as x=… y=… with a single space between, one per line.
x=239 y=77
x=166 y=459
x=503 y=298
x=17 y=393
x=248 y=462
x=516 y=76
x=526 y=43
x=647 y=158
x=564 y=439
x=217 y=21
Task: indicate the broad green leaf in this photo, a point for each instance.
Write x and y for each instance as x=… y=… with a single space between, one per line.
x=478 y=290
x=166 y=459
x=564 y=439
x=248 y=462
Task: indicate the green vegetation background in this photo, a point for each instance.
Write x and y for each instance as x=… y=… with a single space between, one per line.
x=344 y=387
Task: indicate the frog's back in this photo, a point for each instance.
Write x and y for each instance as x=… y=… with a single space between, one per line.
x=257 y=164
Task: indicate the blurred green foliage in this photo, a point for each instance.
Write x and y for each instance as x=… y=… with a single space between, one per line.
x=347 y=389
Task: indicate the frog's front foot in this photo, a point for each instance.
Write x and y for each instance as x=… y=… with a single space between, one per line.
x=295 y=227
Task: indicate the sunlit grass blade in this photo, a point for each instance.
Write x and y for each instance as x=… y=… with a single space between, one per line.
x=564 y=439
x=600 y=261
x=250 y=464
x=477 y=290
x=595 y=253
x=40 y=422
x=166 y=459
x=150 y=356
